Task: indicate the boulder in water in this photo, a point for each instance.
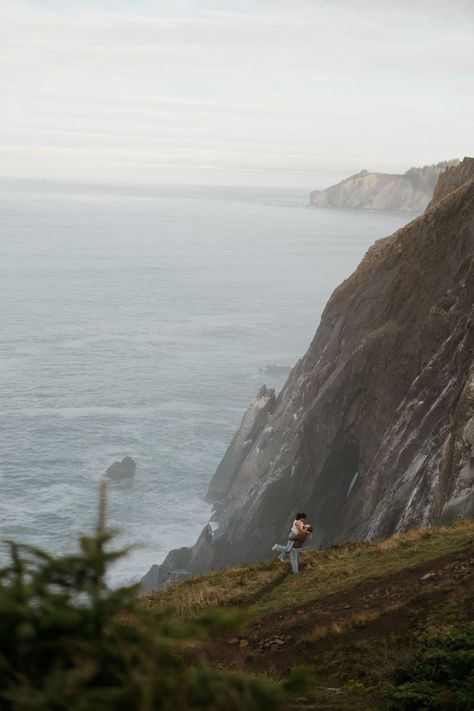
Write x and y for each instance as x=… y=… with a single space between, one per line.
x=121 y=470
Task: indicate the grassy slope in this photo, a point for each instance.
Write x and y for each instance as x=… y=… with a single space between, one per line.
x=353 y=614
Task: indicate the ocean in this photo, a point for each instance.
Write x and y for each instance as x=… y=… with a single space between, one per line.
x=142 y=323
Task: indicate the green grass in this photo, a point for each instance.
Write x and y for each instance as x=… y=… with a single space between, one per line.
x=269 y=587
x=354 y=615
x=347 y=566
x=241 y=586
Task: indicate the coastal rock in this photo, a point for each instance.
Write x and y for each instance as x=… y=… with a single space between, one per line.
x=158 y=575
x=411 y=191
x=121 y=470
x=373 y=432
x=253 y=423
x=150 y=580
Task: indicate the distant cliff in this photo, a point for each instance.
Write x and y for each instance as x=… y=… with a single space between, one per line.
x=452 y=178
x=411 y=191
x=373 y=432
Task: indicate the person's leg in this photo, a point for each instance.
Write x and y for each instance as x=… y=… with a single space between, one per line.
x=281 y=550
x=294 y=560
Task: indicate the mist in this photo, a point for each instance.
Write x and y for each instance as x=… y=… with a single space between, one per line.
x=232 y=93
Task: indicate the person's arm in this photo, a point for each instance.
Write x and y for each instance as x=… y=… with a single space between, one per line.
x=300 y=526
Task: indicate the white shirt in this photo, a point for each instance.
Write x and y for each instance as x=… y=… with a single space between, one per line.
x=294 y=528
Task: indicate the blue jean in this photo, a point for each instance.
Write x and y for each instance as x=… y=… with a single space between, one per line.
x=283 y=550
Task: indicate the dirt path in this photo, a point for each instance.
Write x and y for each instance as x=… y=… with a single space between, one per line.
x=271 y=644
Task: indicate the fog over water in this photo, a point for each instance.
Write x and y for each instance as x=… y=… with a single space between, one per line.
x=141 y=326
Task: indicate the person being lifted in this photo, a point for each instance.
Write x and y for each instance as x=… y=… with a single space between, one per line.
x=296 y=538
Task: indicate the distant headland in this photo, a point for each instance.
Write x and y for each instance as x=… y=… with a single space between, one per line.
x=410 y=191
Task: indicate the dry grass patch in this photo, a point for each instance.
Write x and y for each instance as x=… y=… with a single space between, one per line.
x=270 y=588
x=342 y=567
x=339 y=627
x=234 y=586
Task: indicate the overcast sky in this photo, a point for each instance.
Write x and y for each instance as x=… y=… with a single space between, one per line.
x=264 y=92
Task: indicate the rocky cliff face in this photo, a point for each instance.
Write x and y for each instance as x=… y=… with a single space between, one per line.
x=411 y=191
x=373 y=432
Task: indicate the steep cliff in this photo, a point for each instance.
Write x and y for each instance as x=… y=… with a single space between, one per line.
x=373 y=432
x=411 y=191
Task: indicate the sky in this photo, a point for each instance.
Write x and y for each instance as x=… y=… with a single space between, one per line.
x=262 y=93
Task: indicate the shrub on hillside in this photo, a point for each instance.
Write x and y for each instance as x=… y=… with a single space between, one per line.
x=68 y=642
x=441 y=677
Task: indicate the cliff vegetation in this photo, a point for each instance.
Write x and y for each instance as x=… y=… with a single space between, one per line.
x=383 y=625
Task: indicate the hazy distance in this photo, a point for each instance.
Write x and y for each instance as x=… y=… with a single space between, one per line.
x=245 y=93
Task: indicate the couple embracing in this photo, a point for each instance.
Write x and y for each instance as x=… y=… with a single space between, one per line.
x=297 y=536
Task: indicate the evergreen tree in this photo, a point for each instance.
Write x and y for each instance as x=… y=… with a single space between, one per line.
x=68 y=642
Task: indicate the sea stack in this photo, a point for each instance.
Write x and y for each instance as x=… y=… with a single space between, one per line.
x=124 y=469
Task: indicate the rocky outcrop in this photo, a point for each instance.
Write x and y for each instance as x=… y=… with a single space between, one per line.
x=153 y=580
x=181 y=562
x=150 y=580
x=373 y=432
x=121 y=470
x=411 y=191
x=253 y=423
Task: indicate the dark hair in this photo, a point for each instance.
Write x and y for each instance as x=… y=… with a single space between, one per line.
x=299 y=516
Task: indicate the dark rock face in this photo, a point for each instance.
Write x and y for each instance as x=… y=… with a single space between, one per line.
x=121 y=470
x=385 y=392
x=411 y=191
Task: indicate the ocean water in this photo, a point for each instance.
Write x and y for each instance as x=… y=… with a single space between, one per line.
x=143 y=324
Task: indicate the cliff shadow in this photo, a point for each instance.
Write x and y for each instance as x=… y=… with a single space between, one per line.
x=335 y=486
